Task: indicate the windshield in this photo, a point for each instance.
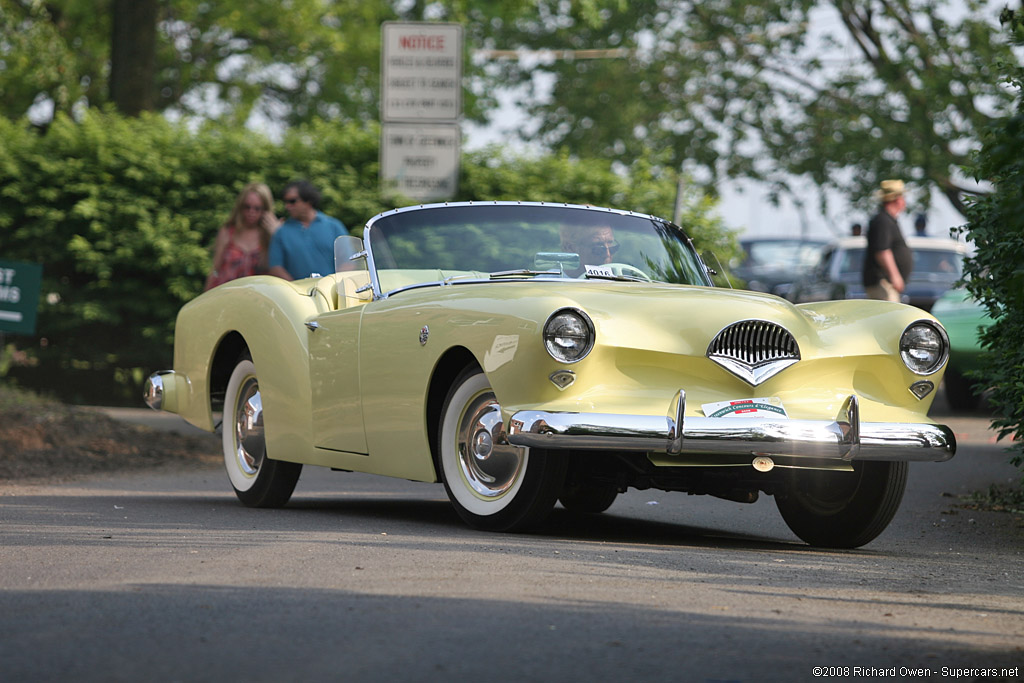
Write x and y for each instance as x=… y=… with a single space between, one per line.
x=509 y=241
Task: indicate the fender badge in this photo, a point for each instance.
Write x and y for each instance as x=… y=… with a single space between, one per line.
x=562 y=378
x=424 y=335
x=921 y=389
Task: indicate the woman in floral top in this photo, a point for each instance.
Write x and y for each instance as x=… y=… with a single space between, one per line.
x=242 y=242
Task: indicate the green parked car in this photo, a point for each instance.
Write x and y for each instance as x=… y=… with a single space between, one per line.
x=963 y=318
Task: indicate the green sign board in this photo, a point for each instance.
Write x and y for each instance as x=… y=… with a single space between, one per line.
x=19 y=296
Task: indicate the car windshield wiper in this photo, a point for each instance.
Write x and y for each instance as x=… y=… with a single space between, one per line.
x=616 y=278
x=523 y=272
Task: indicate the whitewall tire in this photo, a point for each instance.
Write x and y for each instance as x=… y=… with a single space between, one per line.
x=492 y=485
x=258 y=480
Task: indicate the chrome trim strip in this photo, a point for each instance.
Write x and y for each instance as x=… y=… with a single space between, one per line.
x=845 y=438
x=564 y=205
x=371 y=265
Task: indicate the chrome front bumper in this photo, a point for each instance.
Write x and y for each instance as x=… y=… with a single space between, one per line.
x=845 y=438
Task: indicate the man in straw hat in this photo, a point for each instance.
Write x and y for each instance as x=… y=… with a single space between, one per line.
x=888 y=261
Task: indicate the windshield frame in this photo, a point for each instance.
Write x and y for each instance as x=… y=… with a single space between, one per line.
x=371 y=227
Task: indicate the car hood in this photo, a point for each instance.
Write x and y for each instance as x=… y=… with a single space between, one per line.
x=684 y=319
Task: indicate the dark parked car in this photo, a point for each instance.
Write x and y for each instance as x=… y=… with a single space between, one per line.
x=770 y=264
x=938 y=264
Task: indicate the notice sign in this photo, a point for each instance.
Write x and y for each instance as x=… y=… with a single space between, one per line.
x=420 y=162
x=19 y=296
x=421 y=71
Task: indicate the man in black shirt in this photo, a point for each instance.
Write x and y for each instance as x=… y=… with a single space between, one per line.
x=888 y=261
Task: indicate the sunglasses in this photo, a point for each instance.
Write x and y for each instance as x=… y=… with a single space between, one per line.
x=601 y=249
x=291 y=200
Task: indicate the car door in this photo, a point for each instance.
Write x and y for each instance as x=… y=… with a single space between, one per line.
x=334 y=381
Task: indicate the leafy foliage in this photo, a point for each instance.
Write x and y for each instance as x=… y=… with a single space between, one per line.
x=121 y=213
x=841 y=94
x=290 y=63
x=996 y=271
x=836 y=94
x=302 y=59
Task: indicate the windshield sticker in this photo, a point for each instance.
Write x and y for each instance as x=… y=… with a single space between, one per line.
x=600 y=271
x=747 y=407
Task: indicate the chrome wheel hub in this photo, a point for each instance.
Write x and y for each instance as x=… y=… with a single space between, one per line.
x=250 y=446
x=489 y=465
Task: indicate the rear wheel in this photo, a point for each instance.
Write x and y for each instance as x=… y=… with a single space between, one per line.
x=843 y=509
x=492 y=485
x=258 y=481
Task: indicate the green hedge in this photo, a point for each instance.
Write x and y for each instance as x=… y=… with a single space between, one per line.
x=121 y=212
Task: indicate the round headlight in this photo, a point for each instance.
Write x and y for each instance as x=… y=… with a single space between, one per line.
x=568 y=335
x=924 y=347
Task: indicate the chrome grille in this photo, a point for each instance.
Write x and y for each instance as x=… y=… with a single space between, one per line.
x=754 y=343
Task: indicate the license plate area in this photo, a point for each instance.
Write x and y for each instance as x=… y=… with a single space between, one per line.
x=770 y=406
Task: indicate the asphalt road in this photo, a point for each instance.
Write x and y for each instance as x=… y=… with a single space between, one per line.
x=163 y=576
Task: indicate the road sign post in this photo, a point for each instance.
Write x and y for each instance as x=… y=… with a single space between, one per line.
x=421 y=104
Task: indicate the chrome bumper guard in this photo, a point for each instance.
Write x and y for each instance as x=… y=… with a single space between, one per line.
x=845 y=438
x=153 y=390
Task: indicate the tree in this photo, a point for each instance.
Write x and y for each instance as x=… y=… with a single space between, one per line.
x=996 y=276
x=285 y=62
x=133 y=56
x=840 y=92
x=289 y=61
x=46 y=55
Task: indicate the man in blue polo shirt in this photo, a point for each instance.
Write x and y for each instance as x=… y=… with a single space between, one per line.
x=304 y=244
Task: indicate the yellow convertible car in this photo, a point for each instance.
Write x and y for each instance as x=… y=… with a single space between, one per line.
x=526 y=354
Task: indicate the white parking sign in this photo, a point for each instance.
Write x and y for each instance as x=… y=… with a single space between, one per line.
x=420 y=161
